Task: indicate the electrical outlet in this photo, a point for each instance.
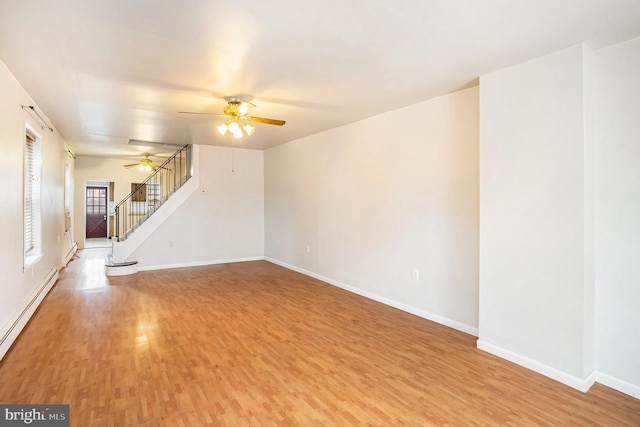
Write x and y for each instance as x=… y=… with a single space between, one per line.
x=415 y=274
x=308 y=249
x=171 y=244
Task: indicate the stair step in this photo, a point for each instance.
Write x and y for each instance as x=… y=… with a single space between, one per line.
x=120 y=264
x=119 y=268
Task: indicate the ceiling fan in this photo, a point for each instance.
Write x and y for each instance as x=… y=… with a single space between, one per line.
x=145 y=164
x=237 y=112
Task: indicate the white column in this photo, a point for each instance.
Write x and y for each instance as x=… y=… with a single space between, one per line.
x=536 y=216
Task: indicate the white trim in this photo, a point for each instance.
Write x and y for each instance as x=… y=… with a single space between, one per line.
x=400 y=306
x=12 y=328
x=199 y=263
x=579 y=384
x=31 y=260
x=34 y=254
x=69 y=255
x=121 y=270
x=582 y=385
x=618 y=384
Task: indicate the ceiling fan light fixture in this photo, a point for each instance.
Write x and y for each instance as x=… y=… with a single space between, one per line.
x=234 y=127
x=222 y=128
x=249 y=129
x=144 y=165
x=237 y=111
x=243 y=108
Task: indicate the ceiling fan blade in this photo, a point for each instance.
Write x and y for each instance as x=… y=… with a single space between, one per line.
x=131 y=165
x=264 y=120
x=203 y=114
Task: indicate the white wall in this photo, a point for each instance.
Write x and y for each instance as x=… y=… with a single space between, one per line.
x=375 y=199
x=559 y=211
x=222 y=221
x=535 y=216
x=618 y=215
x=18 y=286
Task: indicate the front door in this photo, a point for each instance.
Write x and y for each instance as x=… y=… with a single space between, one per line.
x=96 y=212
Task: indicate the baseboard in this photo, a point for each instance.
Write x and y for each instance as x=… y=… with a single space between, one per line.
x=578 y=383
x=395 y=304
x=16 y=323
x=69 y=255
x=120 y=269
x=198 y=263
x=618 y=384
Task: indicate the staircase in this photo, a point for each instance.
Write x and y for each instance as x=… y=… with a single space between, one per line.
x=144 y=201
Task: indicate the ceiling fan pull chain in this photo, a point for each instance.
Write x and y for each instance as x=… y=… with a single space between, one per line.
x=233 y=154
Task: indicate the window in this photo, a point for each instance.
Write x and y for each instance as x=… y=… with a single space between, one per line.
x=32 y=172
x=96 y=201
x=153 y=194
x=148 y=195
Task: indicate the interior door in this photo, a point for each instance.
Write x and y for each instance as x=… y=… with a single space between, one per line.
x=96 y=212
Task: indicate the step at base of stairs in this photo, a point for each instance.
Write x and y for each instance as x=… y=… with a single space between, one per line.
x=120 y=268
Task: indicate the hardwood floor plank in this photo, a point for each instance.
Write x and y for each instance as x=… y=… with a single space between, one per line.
x=255 y=344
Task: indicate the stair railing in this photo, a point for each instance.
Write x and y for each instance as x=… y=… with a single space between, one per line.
x=150 y=194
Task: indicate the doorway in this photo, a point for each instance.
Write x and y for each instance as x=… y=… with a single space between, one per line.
x=96 y=212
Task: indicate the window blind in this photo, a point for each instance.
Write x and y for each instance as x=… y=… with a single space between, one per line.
x=29 y=184
x=32 y=180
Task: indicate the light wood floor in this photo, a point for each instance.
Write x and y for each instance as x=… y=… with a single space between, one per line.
x=256 y=344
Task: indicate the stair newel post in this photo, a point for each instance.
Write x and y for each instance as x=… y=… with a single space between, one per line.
x=117 y=224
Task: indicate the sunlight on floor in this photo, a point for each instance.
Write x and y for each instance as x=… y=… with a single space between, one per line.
x=93 y=274
x=98 y=242
x=145 y=331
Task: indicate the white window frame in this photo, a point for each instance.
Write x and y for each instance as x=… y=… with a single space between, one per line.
x=153 y=194
x=32 y=237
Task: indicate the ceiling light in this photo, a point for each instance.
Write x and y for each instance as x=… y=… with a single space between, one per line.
x=243 y=108
x=235 y=127
x=222 y=128
x=248 y=129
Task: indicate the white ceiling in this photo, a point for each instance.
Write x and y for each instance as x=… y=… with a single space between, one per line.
x=105 y=71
